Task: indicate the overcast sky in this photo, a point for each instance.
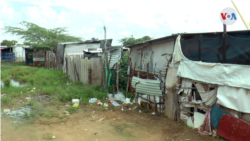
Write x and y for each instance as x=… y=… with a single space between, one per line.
x=85 y=18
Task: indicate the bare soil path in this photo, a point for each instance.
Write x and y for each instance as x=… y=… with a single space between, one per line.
x=90 y=123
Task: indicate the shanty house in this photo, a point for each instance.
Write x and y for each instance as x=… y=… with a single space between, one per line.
x=148 y=65
x=77 y=48
x=206 y=84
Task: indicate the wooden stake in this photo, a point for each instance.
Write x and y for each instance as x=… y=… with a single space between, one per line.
x=160 y=104
x=117 y=77
x=155 y=102
x=89 y=75
x=148 y=101
x=147 y=70
x=113 y=91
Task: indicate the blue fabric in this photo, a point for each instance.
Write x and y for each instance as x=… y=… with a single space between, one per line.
x=215 y=115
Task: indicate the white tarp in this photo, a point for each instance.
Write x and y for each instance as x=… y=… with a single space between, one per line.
x=234 y=98
x=216 y=73
x=178 y=55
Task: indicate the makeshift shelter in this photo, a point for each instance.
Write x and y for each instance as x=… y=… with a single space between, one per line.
x=15 y=53
x=149 y=60
x=73 y=48
x=203 y=81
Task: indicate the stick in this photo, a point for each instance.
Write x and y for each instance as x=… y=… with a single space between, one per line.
x=113 y=91
x=117 y=77
x=147 y=70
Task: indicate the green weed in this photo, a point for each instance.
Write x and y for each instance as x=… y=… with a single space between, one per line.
x=6 y=82
x=71 y=110
x=5 y=100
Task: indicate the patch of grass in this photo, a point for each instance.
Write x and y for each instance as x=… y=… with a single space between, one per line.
x=5 y=100
x=72 y=110
x=48 y=136
x=47 y=82
x=13 y=101
x=6 y=82
x=31 y=104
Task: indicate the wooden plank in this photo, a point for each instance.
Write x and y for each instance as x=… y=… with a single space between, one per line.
x=96 y=70
x=234 y=129
x=89 y=76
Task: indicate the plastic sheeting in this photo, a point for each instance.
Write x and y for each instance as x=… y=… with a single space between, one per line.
x=237 y=49
x=178 y=55
x=216 y=73
x=234 y=98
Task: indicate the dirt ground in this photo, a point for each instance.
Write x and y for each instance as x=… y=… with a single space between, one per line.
x=90 y=123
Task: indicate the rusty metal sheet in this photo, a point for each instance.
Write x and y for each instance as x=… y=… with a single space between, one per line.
x=234 y=129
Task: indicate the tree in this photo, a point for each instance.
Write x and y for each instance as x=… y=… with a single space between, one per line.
x=39 y=37
x=128 y=41
x=8 y=42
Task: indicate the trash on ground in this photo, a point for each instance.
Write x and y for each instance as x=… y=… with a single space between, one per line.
x=7 y=111
x=119 y=96
x=99 y=103
x=153 y=113
x=139 y=111
x=53 y=137
x=134 y=108
x=66 y=113
x=67 y=105
x=27 y=99
x=105 y=105
x=127 y=101
x=96 y=132
x=92 y=100
x=75 y=102
x=114 y=103
x=129 y=109
x=122 y=109
x=101 y=119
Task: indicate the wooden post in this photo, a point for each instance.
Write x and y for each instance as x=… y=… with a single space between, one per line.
x=224 y=42
x=128 y=77
x=147 y=70
x=148 y=78
x=160 y=104
x=137 y=95
x=134 y=69
x=117 y=76
x=104 y=76
x=89 y=75
x=155 y=102
x=113 y=91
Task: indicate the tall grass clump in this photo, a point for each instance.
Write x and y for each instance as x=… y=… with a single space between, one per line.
x=6 y=82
